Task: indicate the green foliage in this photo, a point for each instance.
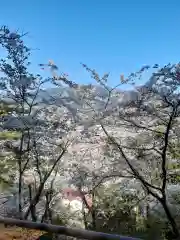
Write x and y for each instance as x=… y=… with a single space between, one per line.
x=58 y=220
x=161 y=130
x=6 y=108
x=7 y=164
x=118 y=212
x=175 y=150
x=7 y=169
x=3 y=112
x=10 y=135
x=114 y=212
x=174 y=166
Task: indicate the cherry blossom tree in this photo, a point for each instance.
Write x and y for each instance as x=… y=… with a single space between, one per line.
x=149 y=115
x=35 y=149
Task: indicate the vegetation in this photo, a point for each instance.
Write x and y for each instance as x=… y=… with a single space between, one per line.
x=129 y=167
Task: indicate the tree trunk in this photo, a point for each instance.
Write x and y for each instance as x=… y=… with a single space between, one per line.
x=93 y=214
x=20 y=195
x=33 y=209
x=171 y=220
x=34 y=201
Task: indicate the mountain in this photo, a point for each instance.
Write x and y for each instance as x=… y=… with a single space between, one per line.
x=61 y=113
x=72 y=99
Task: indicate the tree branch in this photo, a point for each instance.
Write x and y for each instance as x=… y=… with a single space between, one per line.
x=137 y=175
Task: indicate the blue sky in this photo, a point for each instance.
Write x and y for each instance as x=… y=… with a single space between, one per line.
x=116 y=36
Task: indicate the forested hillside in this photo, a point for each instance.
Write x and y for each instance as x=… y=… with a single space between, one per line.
x=118 y=151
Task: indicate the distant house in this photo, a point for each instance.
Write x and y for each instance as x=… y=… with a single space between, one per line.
x=74 y=198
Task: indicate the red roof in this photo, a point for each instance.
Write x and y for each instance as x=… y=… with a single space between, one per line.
x=72 y=194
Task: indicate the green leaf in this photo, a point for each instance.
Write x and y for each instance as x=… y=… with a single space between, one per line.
x=10 y=135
